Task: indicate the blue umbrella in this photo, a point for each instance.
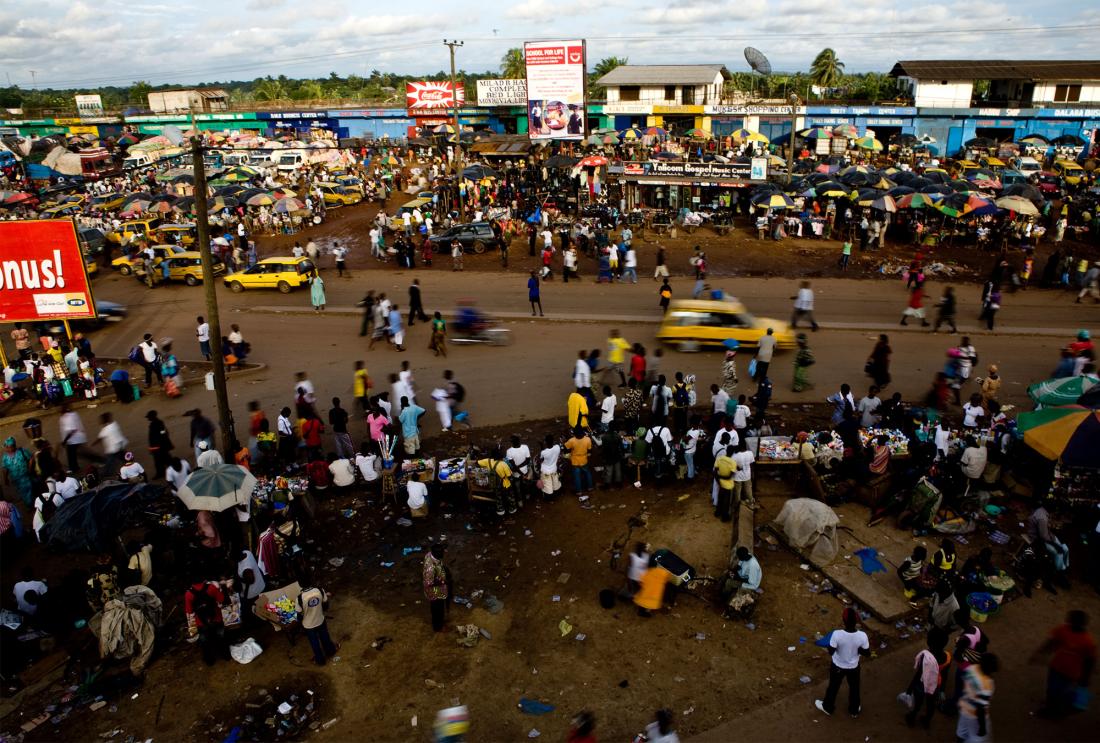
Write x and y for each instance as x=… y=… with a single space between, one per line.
x=731 y=344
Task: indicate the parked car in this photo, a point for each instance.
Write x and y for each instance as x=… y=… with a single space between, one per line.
x=336 y=195
x=474 y=237
x=92 y=241
x=690 y=324
x=185 y=266
x=1071 y=172
x=284 y=274
x=1029 y=166
x=126 y=265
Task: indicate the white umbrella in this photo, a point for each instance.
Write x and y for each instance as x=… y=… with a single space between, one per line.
x=217 y=488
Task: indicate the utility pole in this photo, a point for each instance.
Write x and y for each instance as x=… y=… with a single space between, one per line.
x=34 y=78
x=795 y=102
x=225 y=416
x=458 y=138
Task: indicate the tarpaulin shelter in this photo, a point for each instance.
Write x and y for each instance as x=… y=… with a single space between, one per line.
x=92 y=519
x=126 y=627
x=810 y=526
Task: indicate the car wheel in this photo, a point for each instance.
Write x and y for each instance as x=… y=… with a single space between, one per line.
x=236 y=287
x=284 y=287
x=191 y=280
x=125 y=270
x=479 y=247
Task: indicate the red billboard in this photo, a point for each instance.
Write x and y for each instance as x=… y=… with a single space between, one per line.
x=428 y=97
x=42 y=273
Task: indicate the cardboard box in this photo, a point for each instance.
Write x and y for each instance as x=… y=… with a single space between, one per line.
x=291 y=591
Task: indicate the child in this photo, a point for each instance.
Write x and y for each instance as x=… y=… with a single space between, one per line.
x=910 y=572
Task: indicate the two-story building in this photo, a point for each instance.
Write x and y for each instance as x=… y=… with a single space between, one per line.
x=1012 y=83
x=672 y=96
x=201 y=100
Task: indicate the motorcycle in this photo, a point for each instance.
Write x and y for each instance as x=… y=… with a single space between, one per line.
x=472 y=327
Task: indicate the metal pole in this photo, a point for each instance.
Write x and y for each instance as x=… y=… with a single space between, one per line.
x=458 y=132
x=794 y=122
x=225 y=416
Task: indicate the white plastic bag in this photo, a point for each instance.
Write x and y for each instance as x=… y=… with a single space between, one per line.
x=246 y=651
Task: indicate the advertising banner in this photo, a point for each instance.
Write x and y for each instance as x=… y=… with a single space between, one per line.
x=500 y=92
x=427 y=97
x=712 y=171
x=555 y=89
x=42 y=274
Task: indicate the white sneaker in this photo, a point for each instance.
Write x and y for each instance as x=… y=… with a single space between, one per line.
x=821 y=707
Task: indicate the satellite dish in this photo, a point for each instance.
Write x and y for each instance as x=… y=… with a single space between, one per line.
x=757 y=61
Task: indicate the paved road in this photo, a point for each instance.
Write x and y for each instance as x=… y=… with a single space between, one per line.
x=530 y=379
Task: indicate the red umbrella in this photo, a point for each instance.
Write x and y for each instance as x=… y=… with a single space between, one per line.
x=18 y=197
x=593 y=161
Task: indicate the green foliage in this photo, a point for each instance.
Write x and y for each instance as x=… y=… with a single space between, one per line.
x=826 y=69
x=512 y=65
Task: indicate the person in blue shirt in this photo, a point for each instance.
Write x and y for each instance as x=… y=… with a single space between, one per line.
x=748 y=570
x=410 y=425
x=397 y=332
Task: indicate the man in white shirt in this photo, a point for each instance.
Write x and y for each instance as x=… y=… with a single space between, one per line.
x=342 y=470
x=868 y=405
x=765 y=347
x=63 y=487
x=374 y=250
x=582 y=372
x=547 y=239
x=298 y=251
x=845 y=646
x=37 y=589
x=974 y=459
x=804 y=305
x=607 y=408
x=202 y=333
x=72 y=434
x=719 y=398
x=973 y=412
x=742 y=476
x=630 y=264
x=418 y=498
x=741 y=415
x=548 y=466
x=149 y=359
x=368 y=464
x=208 y=456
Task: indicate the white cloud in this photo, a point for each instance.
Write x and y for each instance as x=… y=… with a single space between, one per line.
x=696 y=12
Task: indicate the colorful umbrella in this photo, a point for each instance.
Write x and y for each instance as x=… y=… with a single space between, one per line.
x=918 y=200
x=282 y=192
x=218 y=203
x=261 y=199
x=217 y=488
x=656 y=131
x=774 y=201
x=868 y=142
x=1017 y=204
x=816 y=133
x=1070 y=434
x=747 y=135
x=885 y=203
x=629 y=134
x=697 y=133
x=848 y=131
x=235 y=176
x=287 y=205
x=1063 y=391
x=161 y=207
x=444 y=129
x=609 y=139
x=593 y=161
x=594 y=140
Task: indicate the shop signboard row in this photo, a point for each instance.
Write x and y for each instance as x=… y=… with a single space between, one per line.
x=712 y=171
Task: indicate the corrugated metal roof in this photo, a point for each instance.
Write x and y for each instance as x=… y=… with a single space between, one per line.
x=213 y=93
x=996 y=69
x=661 y=74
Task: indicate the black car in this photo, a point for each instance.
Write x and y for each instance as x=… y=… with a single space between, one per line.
x=93 y=241
x=476 y=237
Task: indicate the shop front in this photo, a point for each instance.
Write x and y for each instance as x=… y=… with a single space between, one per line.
x=665 y=185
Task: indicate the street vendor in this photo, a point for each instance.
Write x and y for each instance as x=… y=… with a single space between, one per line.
x=747 y=569
x=500 y=476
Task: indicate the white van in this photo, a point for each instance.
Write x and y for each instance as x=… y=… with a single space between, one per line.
x=233 y=159
x=140 y=160
x=291 y=160
x=1029 y=166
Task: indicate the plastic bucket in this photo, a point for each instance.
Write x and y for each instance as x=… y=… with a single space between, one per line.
x=982 y=605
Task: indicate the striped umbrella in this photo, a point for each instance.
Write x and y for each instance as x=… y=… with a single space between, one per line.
x=631 y=133
x=847 y=131
x=217 y=488
x=1070 y=434
x=609 y=139
x=816 y=133
x=444 y=129
x=656 y=131
x=218 y=203
x=868 y=142
x=162 y=207
x=885 y=203
x=594 y=140
x=287 y=205
x=774 y=201
x=1063 y=391
x=1017 y=204
x=918 y=200
x=261 y=199
x=282 y=192
x=697 y=133
x=747 y=135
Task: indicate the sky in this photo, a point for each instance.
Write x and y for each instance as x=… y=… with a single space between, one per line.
x=88 y=43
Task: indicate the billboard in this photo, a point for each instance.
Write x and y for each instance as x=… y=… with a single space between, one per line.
x=555 y=89
x=428 y=97
x=497 y=92
x=42 y=273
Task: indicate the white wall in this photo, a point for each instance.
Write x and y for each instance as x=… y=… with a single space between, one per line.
x=1044 y=92
x=654 y=95
x=174 y=101
x=938 y=94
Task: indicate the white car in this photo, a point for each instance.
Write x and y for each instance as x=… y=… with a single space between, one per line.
x=1029 y=166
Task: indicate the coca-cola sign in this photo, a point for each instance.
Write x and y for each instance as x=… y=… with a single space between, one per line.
x=428 y=97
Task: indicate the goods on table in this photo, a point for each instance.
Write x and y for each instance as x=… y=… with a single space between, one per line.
x=452 y=470
x=269 y=489
x=284 y=609
x=897 y=441
x=776 y=449
x=422 y=470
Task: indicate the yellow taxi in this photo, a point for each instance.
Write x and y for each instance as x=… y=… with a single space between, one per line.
x=91 y=265
x=284 y=274
x=185 y=266
x=962 y=167
x=690 y=324
x=336 y=194
x=132 y=229
x=107 y=201
x=993 y=163
x=351 y=183
x=411 y=206
x=1071 y=172
x=60 y=210
x=185 y=234
x=126 y=265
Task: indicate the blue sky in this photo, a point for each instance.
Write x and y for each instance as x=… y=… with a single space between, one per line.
x=85 y=43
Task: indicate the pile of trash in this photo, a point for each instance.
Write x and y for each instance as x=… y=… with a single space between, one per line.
x=286 y=713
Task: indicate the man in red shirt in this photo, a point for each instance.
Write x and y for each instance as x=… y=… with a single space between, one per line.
x=1073 y=656
x=202 y=603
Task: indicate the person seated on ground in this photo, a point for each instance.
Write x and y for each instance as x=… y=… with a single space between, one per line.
x=342 y=471
x=369 y=464
x=29 y=592
x=131 y=471
x=910 y=572
x=944 y=562
x=318 y=473
x=651 y=594
x=747 y=568
x=417 y=499
x=943 y=606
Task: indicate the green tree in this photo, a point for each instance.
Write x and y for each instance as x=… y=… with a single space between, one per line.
x=826 y=70
x=309 y=90
x=268 y=90
x=606 y=65
x=512 y=65
x=139 y=92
